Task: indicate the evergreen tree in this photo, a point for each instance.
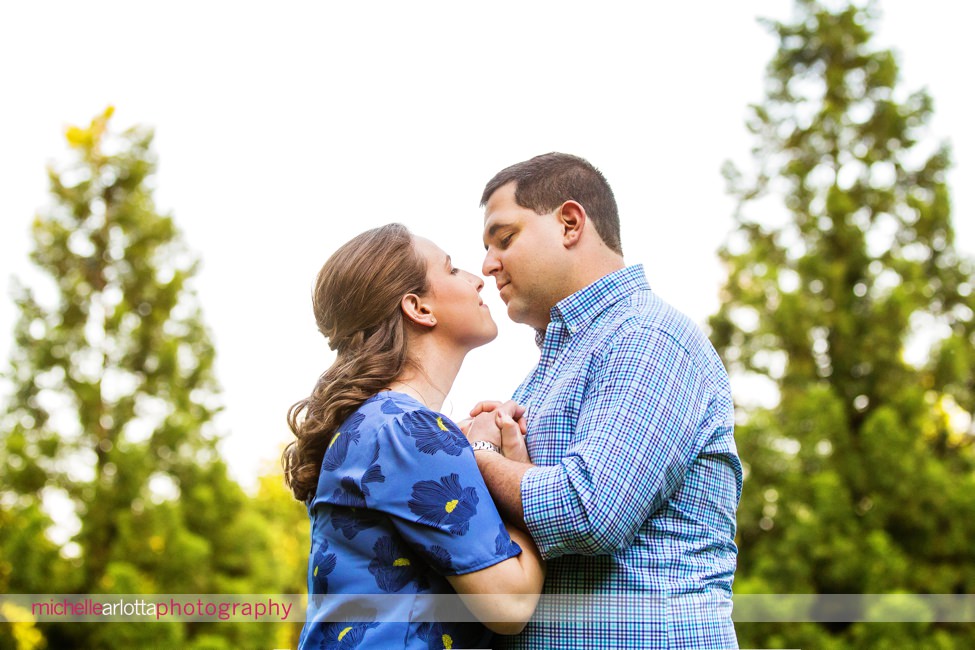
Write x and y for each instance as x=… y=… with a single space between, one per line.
x=846 y=297
x=286 y=521
x=112 y=414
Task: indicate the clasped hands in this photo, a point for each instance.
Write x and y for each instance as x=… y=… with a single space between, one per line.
x=502 y=424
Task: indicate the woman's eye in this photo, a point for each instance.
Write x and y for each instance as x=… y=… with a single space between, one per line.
x=454 y=271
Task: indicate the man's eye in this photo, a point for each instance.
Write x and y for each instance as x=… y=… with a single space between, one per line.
x=505 y=241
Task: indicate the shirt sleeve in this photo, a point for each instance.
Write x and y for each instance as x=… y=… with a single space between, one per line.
x=435 y=496
x=637 y=434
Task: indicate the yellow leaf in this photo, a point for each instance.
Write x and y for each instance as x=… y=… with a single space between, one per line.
x=78 y=137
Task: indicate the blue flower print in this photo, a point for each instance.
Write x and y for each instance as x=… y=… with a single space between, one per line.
x=436 y=636
x=352 y=520
x=439 y=558
x=346 y=635
x=392 y=567
x=338 y=448
x=503 y=544
x=390 y=407
x=324 y=564
x=444 y=504
x=432 y=433
x=349 y=494
x=372 y=475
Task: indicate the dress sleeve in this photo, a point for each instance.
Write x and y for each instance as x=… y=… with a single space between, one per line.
x=425 y=478
x=637 y=434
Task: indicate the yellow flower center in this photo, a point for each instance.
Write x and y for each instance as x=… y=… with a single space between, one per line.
x=401 y=561
x=316 y=571
x=448 y=642
x=450 y=505
x=334 y=438
x=344 y=632
x=441 y=424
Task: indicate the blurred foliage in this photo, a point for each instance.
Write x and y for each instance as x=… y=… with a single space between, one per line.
x=110 y=424
x=846 y=297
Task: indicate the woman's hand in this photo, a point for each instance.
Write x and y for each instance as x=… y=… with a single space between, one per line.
x=500 y=424
x=483 y=427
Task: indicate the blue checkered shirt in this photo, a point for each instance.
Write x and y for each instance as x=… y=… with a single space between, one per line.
x=631 y=426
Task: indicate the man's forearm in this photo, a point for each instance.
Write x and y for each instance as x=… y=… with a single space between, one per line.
x=503 y=479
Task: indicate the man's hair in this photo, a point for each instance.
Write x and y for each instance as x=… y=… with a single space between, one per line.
x=545 y=182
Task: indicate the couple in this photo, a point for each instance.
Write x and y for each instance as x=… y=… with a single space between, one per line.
x=613 y=475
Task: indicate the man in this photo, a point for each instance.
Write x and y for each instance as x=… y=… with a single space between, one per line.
x=634 y=478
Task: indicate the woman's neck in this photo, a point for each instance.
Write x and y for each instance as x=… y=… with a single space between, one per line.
x=430 y=375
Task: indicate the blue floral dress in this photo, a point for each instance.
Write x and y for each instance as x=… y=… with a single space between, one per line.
x=400 y=504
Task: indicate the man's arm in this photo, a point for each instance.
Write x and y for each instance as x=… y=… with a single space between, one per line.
x=639 y=430
x=503 y=473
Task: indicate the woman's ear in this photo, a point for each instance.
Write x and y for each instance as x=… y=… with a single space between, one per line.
x=572 y=217
x=417 y=311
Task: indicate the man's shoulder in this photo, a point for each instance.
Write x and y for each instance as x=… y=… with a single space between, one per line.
x=644 y=313
x=644 y=319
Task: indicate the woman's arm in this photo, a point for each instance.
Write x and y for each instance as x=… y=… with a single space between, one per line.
x=504 y=596
x=504 y=426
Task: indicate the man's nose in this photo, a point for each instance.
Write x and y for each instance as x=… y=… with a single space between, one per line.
x=491 y=264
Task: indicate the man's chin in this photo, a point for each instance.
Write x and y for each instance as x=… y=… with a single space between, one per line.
x=517 y=314
x=512 y=310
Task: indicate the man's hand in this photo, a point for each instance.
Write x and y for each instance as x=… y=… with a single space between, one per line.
x=484 y=406
x=512 y=437
x=515 y=410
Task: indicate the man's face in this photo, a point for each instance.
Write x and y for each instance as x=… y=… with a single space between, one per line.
x=524 y=255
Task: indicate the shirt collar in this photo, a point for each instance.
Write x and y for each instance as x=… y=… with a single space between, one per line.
x=579 y=309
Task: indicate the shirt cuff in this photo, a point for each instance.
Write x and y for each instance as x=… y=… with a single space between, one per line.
x=547 y=514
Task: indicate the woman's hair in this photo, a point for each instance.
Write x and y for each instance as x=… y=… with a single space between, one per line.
x=357 y=306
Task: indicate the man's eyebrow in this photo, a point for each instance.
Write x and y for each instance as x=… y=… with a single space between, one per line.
x=495 y=227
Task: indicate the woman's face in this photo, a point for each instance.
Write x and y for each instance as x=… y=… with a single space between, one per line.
x=454 y=297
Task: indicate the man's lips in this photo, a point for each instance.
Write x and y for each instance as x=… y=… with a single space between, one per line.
x=501 y=288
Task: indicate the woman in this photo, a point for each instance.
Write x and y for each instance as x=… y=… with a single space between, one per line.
x=396 y=502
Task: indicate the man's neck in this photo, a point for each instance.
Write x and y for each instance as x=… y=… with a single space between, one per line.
x=592 y=271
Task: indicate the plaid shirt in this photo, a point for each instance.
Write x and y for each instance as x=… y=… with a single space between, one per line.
x=631 y=426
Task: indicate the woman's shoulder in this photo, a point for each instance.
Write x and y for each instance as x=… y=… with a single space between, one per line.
x=392 y=430
x=430 y=432
x=383 y=411
x=397 y=414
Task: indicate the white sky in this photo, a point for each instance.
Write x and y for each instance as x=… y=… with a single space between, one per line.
x=284 y=130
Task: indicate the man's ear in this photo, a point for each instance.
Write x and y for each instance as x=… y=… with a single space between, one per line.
x=417 y=311
x=572 y=217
